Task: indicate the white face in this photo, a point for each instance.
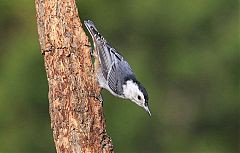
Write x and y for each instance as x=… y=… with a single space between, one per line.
x=132 y=92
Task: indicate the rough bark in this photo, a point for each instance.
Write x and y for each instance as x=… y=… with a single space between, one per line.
x=77 y=117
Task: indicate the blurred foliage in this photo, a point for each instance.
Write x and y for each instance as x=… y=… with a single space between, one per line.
x=186 y=53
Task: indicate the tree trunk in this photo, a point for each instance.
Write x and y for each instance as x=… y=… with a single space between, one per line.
x=76 y=116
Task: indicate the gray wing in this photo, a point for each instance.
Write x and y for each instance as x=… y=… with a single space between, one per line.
x=114 y=68
x=112 y=79
x=108 y=57
x=119 y=71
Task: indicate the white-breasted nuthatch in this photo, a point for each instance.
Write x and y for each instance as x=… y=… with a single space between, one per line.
x=114 y=73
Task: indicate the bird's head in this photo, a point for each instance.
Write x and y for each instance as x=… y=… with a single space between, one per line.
x=133 y=90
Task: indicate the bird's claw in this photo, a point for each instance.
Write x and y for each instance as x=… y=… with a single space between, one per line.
x=98 y=97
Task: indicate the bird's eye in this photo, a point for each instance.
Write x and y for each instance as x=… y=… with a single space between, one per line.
x=139 y=97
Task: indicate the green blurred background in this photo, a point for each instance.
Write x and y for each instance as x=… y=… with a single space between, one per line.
x=186 y=53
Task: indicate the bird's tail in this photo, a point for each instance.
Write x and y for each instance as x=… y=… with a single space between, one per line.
x=92 y=30
x=96 y=37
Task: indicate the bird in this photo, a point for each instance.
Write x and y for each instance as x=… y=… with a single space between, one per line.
x=113 y=71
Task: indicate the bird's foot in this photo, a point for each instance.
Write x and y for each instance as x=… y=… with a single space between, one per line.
x=98 y=97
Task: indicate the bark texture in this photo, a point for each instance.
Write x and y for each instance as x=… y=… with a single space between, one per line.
x=76 y=116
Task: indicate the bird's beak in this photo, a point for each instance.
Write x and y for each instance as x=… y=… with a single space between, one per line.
x=147 y=109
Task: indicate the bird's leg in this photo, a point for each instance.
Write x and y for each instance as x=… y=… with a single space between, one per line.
x=92 y=55
x=94 y=58
x=91 y=52
x=98 y=97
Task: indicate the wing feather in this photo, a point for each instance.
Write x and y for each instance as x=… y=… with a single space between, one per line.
x=108 y=56
x=105 y=59
x=118 y=73
x=112 y=79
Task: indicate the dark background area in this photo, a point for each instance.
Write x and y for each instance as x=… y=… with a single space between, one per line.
x=186 y=53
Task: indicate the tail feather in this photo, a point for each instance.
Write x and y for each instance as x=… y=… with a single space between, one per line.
x=93 y=30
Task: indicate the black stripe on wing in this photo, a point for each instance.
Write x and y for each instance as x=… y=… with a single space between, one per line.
x=112 y=79
x=108 y=56
x=105 y=61
x=114 y=52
